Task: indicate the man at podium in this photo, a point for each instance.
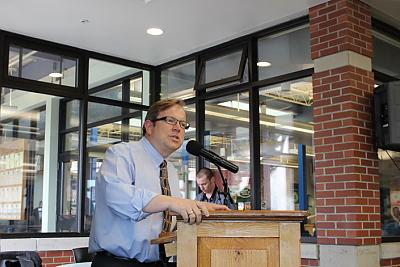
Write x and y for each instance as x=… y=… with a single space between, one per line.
x=135 y=190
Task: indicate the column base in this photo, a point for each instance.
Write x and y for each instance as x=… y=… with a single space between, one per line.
x=349 y=256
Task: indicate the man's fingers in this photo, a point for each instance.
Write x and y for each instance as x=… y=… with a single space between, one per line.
x=185 y=216
x=192 y=218
x=202 y=206
x=198 y=214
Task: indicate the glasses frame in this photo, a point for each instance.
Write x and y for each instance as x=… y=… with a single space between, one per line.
x=172 y=121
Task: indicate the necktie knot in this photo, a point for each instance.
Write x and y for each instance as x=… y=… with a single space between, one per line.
x=163 y=164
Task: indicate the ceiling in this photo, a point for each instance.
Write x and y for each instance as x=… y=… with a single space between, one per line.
x=118 y=27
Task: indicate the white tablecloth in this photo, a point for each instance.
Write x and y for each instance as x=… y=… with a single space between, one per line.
x=80 y=264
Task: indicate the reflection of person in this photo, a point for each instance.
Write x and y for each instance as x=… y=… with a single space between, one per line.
x=391 y=226
x=129 y=202
x=205 y=179
x=396 y=213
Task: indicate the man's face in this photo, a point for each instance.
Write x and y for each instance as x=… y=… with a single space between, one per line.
x=165 y=137
x=206 y=185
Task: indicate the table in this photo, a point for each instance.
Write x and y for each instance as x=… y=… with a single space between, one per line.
x=80 y=264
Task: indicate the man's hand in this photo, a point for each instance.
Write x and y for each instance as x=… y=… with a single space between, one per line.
x=190 y=210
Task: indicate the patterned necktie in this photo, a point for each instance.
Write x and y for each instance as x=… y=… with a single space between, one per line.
x=165 y=191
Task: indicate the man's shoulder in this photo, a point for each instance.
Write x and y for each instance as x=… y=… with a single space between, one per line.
x=123 y=146
x=200 y=196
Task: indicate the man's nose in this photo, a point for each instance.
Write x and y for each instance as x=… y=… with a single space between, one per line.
x=176 y=126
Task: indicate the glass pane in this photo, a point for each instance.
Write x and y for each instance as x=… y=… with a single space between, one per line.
x=390 y=192
x=244 y=79
x=71 y=142
x=114 y=92
x=184 y=162
x=135 y=129
x=28 y=163
x=136 y=90
x=286 y=120
x=72 y=114
x=178 y=81
x=100 y=137
x=383 y=59
x=227 y=134
x=42 y=66
x=108 y=80
x=98 y=112
x=222 y=67
x=67 y=220
x=284 y=53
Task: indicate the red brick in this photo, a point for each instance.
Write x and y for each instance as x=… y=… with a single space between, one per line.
x=54 y=253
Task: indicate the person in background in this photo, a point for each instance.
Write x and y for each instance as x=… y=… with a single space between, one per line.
x=210 y=193
x=136 y=188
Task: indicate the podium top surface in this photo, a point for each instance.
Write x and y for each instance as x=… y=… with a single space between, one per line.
x=256 y=215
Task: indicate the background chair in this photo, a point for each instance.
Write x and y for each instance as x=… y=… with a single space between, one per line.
x=82 y=254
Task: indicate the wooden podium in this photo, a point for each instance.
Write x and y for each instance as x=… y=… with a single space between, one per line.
x=241 y=239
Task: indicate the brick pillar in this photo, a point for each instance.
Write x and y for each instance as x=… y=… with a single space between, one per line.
x=347 y=181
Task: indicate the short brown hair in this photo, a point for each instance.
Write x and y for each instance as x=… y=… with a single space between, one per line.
x=205 y=171
x=160 y=106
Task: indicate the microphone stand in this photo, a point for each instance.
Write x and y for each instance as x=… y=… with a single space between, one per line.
x=225 y=183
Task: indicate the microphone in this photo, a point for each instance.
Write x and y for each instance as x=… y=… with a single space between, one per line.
x=194 y=148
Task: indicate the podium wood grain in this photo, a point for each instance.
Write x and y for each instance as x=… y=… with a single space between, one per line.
x=259 y=238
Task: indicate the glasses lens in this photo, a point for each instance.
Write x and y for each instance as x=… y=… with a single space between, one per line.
x=171 y=120
x=185 y=125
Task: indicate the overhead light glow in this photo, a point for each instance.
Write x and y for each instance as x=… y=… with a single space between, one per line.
x=55 y=75
x=263 y=64
x=154 y=31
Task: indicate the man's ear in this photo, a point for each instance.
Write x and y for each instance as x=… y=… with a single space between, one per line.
x=212 y=179
x=148 y=125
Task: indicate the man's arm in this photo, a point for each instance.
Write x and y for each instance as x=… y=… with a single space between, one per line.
x=190 y=210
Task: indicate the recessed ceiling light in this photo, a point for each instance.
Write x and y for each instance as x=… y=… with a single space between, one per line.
x=84 y=21
x=55 y=75
x=263 y=64
x=154 y=31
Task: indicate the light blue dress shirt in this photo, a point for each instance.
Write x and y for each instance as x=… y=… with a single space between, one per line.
x=128 y=180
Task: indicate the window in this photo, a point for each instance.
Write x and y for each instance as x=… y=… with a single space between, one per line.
x=28 y=161
x=227 y=134
x=41 y=66
x=286 y=122
x=284 y=53
x=225 y=68
x=178 y=81
x=118 y=82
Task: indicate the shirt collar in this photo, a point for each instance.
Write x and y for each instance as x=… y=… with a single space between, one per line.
x=154 y=154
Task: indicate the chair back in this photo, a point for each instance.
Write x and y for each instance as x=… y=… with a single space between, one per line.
x=82 y=254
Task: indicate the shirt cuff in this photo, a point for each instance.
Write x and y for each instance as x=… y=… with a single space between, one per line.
x=146 y=198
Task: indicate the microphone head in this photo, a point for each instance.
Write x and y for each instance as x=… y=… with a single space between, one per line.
x=193 y=147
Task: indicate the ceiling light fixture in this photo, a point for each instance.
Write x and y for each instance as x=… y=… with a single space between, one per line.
x=263 y=64
x=154 y=31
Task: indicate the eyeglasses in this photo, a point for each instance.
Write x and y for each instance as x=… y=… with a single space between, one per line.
x=172 y=121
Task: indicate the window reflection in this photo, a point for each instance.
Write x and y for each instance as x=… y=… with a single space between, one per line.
x=118 y=82
x=227 y=134
x=390 y=192
x=286 y=121
x=284 y=52
x=178 y=81
x=27 y=163
x=41 y=66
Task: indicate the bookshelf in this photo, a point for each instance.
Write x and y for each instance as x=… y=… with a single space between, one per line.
x=13 y=171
